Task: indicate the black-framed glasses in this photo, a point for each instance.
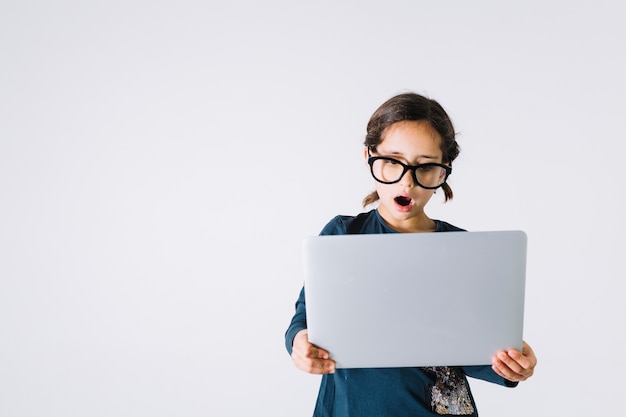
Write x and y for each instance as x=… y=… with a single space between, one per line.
x=387 y=170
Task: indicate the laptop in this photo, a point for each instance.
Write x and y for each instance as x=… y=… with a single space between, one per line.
x=415 y=299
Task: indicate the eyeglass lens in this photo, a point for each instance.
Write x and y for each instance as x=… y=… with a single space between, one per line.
x=389 y=171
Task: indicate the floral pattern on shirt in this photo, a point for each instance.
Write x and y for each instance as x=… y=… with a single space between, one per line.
x=450 y=394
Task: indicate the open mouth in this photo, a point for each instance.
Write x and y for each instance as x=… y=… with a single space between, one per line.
x=403 y=201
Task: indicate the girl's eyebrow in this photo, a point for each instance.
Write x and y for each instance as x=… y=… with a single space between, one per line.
x=396 y=153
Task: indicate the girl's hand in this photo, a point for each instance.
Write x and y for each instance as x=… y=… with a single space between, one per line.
x=515 y=365
x=309 y=357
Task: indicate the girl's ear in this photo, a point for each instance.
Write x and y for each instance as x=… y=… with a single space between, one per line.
x=365 y=155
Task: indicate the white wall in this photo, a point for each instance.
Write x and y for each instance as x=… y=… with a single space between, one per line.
x=160 y=163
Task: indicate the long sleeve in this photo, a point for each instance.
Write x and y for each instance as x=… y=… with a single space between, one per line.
x=486 y=373
x=337 y=226
x=298 y=322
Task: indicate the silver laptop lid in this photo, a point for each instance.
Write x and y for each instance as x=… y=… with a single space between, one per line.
x=415 y=299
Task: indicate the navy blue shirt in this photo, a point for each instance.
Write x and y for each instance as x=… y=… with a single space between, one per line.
x=390 y=392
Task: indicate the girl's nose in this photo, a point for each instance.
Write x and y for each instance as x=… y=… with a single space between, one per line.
x=408 y=179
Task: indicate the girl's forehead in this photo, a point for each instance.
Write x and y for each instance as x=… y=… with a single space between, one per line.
x=410 y=135
x=420 y=127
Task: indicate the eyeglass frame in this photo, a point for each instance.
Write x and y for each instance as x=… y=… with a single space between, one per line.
x=405 y=168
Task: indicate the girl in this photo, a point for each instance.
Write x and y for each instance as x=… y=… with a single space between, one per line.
x=409 y=147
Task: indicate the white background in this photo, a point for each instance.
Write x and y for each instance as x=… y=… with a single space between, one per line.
x=161 y=161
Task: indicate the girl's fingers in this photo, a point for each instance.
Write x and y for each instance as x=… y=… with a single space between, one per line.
x=310 y=358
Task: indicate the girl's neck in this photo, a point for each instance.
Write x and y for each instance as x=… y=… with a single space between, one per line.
x=417 y=224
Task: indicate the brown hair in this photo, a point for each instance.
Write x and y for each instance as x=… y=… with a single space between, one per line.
x=412 y=106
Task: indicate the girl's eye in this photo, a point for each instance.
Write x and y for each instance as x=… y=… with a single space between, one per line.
x=391 y=162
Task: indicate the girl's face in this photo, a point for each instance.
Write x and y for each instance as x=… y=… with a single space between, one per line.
x=402 y=203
